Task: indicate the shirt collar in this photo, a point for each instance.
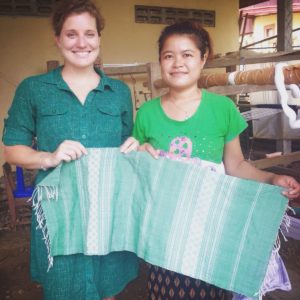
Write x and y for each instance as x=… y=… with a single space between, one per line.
x=54 y=77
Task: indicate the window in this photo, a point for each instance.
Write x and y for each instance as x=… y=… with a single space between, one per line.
x=26 y=7
x=169 y=15
x=269 y=30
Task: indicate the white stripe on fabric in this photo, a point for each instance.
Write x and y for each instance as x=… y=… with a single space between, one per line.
x=187 y=211
x=197 y=227
x=214 y=210
x=174 y=250
x=94 y=163
x=148 y=211
x=82 y=196
x=107 y=174
x=243 y=237
x=219 y=220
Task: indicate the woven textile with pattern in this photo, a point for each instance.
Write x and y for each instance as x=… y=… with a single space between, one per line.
x=221 y=229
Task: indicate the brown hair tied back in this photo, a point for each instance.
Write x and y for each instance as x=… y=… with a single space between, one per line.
x=65 y=8
x=191 y=28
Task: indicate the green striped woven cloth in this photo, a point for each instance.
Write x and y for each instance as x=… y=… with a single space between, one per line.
x=176 y=215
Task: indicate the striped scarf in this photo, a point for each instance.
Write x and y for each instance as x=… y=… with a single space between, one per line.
x=179 y=216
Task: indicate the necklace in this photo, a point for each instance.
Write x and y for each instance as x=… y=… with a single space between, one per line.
x=187 y=115
x=187 y=112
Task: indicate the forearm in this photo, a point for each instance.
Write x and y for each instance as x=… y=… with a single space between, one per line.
x=29 y=158
x=236 y=165
x=26 y=157
x=245 y=170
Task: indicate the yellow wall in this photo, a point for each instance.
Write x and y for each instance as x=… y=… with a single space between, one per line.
x=135 y=42
x=27 y=42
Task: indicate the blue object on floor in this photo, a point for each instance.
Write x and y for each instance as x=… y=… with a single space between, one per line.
x=21 y=190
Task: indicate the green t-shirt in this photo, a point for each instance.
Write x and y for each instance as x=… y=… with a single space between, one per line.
x=216 y=122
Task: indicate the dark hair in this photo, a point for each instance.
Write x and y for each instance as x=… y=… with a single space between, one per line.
x=65 y=8
x=191 y=28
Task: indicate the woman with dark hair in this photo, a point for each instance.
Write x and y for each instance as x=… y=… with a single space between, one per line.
x=193 y=123
x=68 y=109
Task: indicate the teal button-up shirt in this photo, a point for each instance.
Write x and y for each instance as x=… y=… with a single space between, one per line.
x=45 y=107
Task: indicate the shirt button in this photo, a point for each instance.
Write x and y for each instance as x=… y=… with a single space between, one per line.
x=83 y=136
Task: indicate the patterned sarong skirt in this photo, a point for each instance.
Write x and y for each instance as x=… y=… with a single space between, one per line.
x=166 y=285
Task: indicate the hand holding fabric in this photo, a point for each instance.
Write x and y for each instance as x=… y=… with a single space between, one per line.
x=129 y=145
x=66 y=151
x=150 y=149
x=291 y=184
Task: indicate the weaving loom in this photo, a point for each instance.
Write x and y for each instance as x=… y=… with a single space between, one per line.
x=279 y=75
x=107 y=201
x=257 y=113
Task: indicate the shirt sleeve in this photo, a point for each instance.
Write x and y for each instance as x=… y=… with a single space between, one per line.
x=236 y=123
x=127 y=116
x=19 y=125
x=138 y=129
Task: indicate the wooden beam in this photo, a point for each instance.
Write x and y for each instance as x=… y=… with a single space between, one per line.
x=240 y=89
x=244 y=22
x=223 y=90
x=244 y=58
x=285 y=159
x=117 y=71
x=245 y=81
x=154 y=73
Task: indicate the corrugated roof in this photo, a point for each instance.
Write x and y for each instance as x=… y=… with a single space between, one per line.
x=267 y=8
x=245 y=3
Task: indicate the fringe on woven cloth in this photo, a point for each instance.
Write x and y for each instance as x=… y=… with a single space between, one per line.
x=294 y=229
x=37 y=196
x=276 y=276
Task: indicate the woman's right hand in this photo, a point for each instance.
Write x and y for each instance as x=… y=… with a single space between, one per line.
x=150 y=149
x=133 y=144
x=66 y=151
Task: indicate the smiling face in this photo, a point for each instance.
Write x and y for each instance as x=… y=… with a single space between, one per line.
x=79 y=41
x=181 y=62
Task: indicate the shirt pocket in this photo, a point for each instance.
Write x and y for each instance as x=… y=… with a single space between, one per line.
x=54 y=120
x=108 y=118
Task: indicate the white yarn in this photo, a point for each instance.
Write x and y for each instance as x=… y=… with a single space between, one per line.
x=294 y=88
x=279 y=82
x=231 y=78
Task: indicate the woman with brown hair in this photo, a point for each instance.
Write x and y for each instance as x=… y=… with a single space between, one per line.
x=66 y=110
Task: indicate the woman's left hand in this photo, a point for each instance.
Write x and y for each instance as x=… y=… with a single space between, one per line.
x=129 y=145
x=291 y=184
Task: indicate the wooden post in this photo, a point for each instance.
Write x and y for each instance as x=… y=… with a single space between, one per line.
x=243 y=30
x=284 y=25
x=284 y=43
x=154 y=74
x=52 y=64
